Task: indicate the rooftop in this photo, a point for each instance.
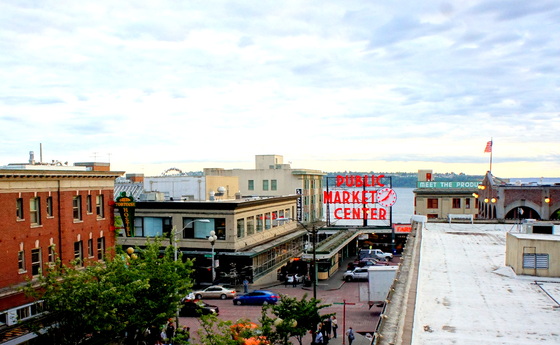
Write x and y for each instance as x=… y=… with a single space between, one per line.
x=465 y=294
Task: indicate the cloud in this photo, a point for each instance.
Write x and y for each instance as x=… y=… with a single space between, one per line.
x=321 y=81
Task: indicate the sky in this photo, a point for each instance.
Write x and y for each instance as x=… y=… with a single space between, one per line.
x=355 y=85
x=466 y=294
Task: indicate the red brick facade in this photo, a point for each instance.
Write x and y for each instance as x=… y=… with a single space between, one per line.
x=40 y=215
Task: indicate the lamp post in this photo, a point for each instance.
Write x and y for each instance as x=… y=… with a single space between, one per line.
x=176 y=249
x=212 y=238
x=175 y=233
x=313 y=233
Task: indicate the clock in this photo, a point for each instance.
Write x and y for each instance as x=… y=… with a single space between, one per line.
x=386 y=197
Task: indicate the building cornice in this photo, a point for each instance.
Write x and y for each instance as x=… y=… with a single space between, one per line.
x=53 y=174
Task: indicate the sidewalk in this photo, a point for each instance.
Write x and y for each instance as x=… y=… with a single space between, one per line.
x=360 y=340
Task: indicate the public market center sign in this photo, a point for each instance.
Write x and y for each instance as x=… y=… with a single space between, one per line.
x=360 y=197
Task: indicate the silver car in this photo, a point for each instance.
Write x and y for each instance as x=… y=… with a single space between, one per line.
x=215 y=291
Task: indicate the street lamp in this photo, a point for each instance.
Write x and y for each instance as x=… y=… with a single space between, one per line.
x=313 y=233
x=212 y=238
x=175 y=233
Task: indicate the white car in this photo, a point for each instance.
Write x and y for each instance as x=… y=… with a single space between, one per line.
x=360 y=273
x=215 y=291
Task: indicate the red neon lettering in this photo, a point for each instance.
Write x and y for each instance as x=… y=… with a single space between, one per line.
x=359 y=181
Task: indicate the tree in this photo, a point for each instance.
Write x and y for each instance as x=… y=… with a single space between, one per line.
x=114 y=301
x=291 y=317
x=214 y=331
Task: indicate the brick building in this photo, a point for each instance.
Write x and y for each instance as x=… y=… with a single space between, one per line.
x=500 y=199
x=48 y=212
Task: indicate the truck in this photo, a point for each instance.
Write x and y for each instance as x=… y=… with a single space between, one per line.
x=380 y=280
x=376 y=254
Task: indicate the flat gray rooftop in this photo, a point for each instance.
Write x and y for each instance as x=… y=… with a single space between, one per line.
x=465 y=294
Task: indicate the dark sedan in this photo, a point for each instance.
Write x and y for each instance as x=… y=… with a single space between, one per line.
x=197 y=308
x=257 y=297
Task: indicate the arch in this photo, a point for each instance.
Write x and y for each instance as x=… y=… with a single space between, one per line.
x=555 y=212
x=512 y=211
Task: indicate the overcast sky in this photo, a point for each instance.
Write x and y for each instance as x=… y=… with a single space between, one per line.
x=330 y=85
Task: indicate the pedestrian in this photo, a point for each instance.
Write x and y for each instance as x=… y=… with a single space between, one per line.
x=294 y=281
x=350 y=334
x=328 y=328
x=334 y=324
x=170 y=332
x=286 y=281
x=245 y=285
x=319 y=338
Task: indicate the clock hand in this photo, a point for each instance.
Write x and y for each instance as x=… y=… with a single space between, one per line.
x=386 y=197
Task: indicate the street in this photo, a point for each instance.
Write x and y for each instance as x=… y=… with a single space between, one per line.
x=358 y=315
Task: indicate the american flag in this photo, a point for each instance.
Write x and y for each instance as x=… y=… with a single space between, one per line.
x=488 y=147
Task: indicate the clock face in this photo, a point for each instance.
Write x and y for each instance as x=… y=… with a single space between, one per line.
x=386 y=197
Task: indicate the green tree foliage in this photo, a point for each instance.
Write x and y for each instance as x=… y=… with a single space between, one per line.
x=113 y=301
x=214 y=331
x=291 y=317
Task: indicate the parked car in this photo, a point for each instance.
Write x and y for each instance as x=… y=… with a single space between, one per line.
x=257 y=297
x=197 y=308
x=375 y=253
x=359 y=273
x=215 y=291
x=297 y=277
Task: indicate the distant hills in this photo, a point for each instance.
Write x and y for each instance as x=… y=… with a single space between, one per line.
x=404 y=179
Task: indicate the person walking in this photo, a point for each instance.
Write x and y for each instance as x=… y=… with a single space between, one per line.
x=351 y=336
x=245 y=285
x=334 y=324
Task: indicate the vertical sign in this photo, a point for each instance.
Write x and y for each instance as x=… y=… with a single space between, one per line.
x=126 y=207
x=299 y=205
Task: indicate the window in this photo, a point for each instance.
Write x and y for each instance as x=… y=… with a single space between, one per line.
x=259 y=222
x=468 y=203
x=52 y=254
x=273 y=185
x=251 y=185
x=35 y=211
x=77 y=207
x=240 y=228
x=202 y=230
x=50 y=207
x=90 y=248
x=19 y=209
x=456 y=203
x=250 y=225
x=101 y=248
x=535 y=261
x=29 y=310
x=79 y=253
x=152 y=226
x=89 y=206
x=36 y=261
x=21 y=261
x=267 y=221
x=265 y=184
x=432 y=203
x=99 y=209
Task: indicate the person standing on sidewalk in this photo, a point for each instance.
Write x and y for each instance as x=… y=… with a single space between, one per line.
x=334 y=324
x=351 y=336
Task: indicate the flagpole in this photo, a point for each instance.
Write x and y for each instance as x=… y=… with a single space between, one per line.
x=491 y=152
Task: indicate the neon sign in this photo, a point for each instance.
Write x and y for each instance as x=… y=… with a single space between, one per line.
x=368 y=199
